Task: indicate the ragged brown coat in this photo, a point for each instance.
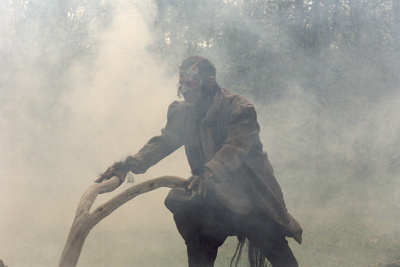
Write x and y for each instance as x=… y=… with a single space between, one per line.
x=226 y=142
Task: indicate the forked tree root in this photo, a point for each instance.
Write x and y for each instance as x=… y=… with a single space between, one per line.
x=85 y=220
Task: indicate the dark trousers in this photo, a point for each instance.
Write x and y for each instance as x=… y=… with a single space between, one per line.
x=204 y=224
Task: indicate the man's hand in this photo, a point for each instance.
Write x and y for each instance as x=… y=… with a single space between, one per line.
x=199 y=183
x=110 y=172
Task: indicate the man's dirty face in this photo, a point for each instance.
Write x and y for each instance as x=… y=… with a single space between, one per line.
x=190 y=85
x=191 y=90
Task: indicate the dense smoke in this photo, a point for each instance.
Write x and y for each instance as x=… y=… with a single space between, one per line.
x=65 y=118
x=60 y=132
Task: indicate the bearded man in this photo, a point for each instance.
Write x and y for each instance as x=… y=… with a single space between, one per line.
x=232 y=190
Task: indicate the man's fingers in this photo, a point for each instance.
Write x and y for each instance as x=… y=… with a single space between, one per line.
x=193 y=181
x=203 y=188
x=198 y=184
x=199 y=189
x=109 y=172
x=102 y=178
x=121 y=177
x=106 y=175
x=192 y=184
x=99 y=180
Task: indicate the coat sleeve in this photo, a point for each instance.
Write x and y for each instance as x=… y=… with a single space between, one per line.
x=242 y=136
x=158 y=147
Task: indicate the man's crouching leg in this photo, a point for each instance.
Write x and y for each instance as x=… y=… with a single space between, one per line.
x=193 y=223
x=201 y=254
x=202 y=247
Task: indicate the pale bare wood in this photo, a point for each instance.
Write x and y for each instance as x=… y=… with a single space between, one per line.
x=85 y=220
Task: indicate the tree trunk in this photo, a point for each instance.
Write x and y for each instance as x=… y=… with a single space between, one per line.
x=85 y=220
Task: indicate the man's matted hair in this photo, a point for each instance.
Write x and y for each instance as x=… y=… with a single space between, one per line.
x=206 y=68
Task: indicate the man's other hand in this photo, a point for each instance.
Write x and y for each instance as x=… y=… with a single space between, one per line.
x=199 y=184
x=110 y=172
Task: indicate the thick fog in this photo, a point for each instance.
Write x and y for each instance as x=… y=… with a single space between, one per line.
x=56 y=141
x=60 y=129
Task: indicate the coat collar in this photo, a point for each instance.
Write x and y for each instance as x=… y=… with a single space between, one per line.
x=210 y=116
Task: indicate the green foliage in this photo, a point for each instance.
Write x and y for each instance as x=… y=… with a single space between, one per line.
x=335 y=48
x=338 y=49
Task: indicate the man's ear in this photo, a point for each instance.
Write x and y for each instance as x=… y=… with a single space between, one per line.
x=210 y=81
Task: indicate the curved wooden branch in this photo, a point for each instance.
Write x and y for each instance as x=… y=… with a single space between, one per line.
x=85 y=220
